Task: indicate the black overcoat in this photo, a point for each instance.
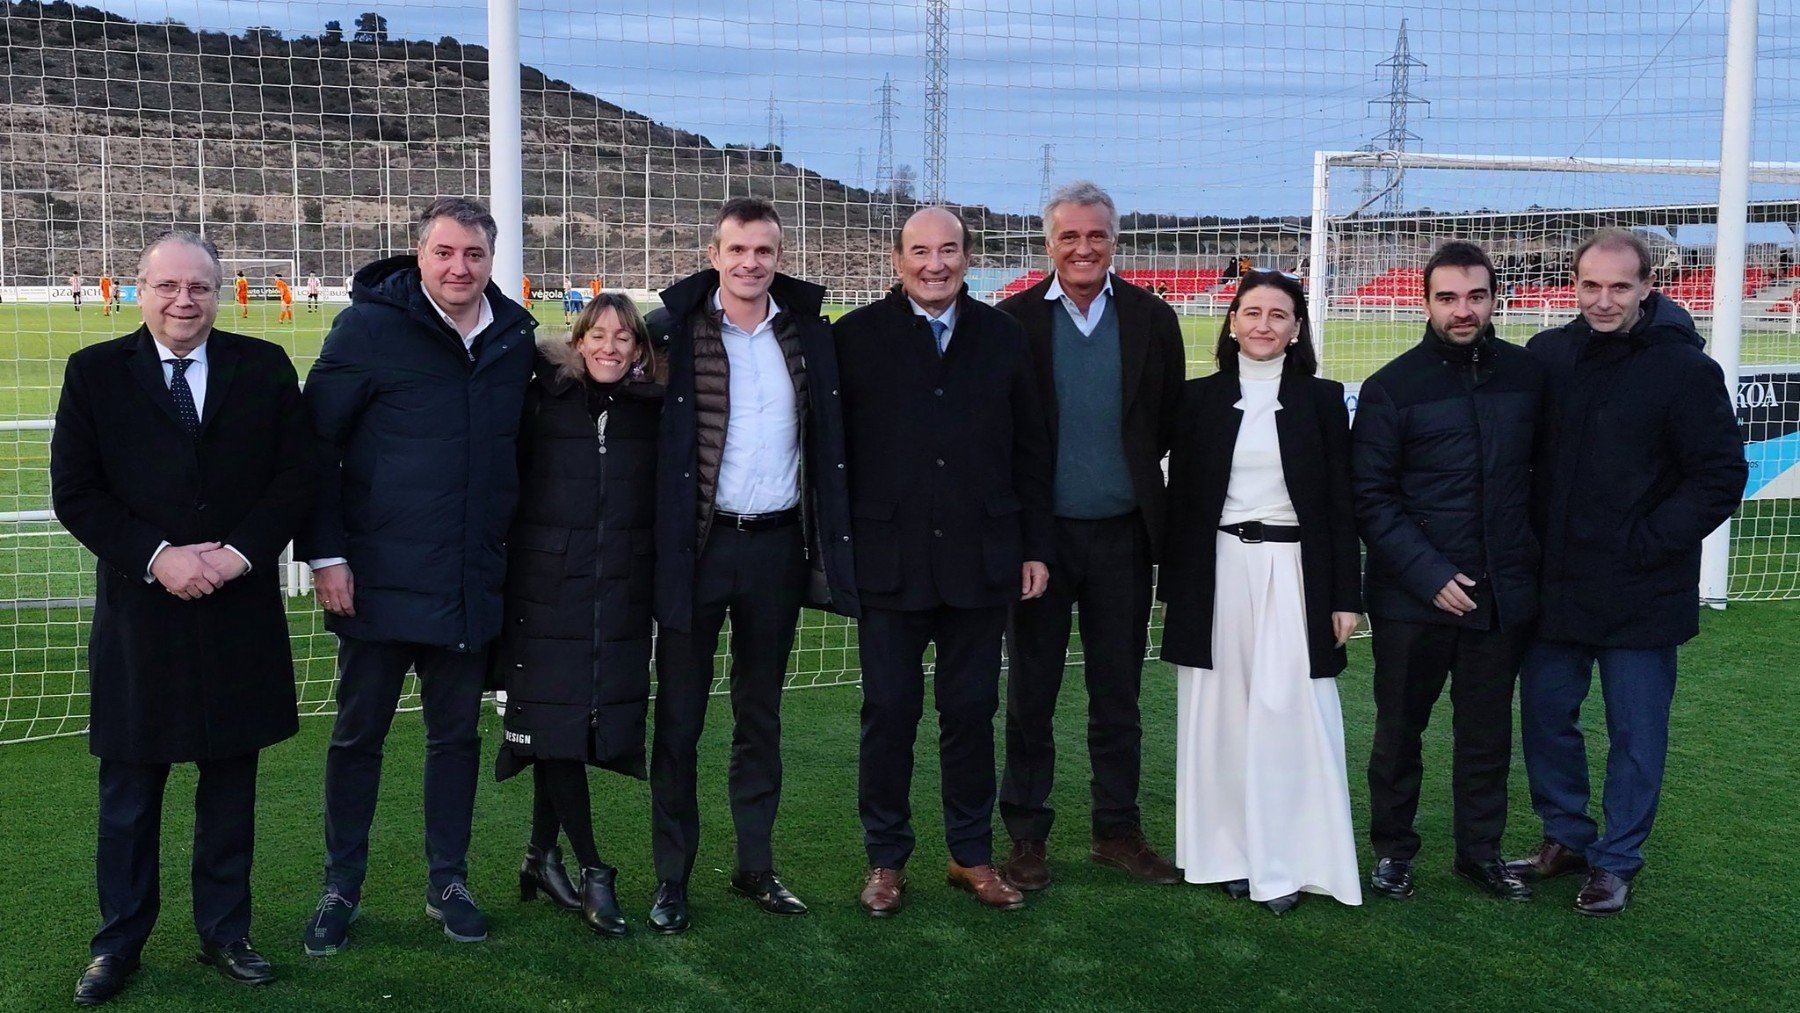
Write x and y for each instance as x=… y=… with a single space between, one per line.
x=950 y=463
x=174 y=681
x=1313 y=429
x=419 y=455
x=825 y=497
x=574 y=654
x=1441 y=465
x=1153 y=365
x=1640 y=460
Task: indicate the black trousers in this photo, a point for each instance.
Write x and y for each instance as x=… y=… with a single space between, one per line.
x=370 y=676
x=1103 y=568
x=966 y=686
x=128 y=858
x=758 y=579
x=1412 y=661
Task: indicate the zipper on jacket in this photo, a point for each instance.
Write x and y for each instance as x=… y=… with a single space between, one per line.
x=599 y=558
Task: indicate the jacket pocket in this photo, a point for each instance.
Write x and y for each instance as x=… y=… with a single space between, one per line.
x=537 y=555
x=875 y=544
x=1002 y=542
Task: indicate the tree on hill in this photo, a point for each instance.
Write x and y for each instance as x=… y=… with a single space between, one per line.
x=371 y=27
x=334 y=33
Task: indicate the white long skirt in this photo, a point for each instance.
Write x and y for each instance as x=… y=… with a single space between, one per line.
x=1261 y=789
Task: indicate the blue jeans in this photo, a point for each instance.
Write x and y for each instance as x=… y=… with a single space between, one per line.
x=1638 y=685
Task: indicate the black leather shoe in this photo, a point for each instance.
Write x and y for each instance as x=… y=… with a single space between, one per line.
x=1282 y=905
x=668 y=912
x=1493 y=877
x=1392 y=877
x=238 y=961
x=599 y=904
x=1603 y=894
x=543 y=872
x=768 y=893
x=104 y=978
x=1236 y=889
x=1551 y=859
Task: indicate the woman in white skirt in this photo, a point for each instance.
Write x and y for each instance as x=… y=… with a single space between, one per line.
x=1261 y=580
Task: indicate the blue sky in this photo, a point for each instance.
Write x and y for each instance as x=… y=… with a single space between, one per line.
x=1184 y=106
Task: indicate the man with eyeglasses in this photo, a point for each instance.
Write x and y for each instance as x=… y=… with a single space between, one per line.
x=182 y=458
x=1109 y=365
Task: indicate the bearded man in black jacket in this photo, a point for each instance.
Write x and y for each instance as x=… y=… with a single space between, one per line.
x=1442 y=472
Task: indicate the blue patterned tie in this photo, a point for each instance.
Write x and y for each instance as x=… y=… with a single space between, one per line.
x=184 y=396
x=940 y=332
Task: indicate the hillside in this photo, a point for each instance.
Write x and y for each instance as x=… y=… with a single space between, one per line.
x=112 y=129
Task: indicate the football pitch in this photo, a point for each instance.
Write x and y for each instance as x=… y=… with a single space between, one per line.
x=1707 y=928
x=1712 y=924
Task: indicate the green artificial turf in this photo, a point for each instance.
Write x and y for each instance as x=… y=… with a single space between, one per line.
x=1714 y=924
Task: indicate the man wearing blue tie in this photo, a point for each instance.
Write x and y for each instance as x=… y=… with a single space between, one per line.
x=182 y=458
x=950 y=471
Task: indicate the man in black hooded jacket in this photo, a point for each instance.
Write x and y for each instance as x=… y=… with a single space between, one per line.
x=1640 y=459
x=416 y=399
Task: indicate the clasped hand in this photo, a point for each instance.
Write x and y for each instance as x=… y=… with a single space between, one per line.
x=194 y=571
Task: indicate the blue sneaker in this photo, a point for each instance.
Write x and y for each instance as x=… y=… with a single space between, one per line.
x=329 y=930
x=454 y=908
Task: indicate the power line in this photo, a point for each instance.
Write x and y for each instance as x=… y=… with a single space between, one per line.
x=937 y=99
x=1399 y=100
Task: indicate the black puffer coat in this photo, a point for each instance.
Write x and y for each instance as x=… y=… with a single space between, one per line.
x=1640 y=459
x=419 y=460
x=574 y=656
x=1441 y=465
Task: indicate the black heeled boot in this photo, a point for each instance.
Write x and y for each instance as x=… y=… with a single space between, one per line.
x=543 y=871
x=599 y=904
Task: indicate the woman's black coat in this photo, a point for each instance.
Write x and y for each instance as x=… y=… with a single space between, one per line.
x=1313 y=428
x=574 y=654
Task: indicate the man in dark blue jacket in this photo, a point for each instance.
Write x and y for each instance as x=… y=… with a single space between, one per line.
x=416 y=398
x=1442 y=470
x=1640 y=459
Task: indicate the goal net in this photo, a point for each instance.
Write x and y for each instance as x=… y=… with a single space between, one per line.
x=305 y=138
x=1534 y=212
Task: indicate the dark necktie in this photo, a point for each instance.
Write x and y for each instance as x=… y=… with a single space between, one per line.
x=184 y=396
x=939 y=330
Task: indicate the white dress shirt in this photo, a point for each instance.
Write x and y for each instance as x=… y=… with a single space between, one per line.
x=759 y=469
x=1084 y=322
x=481 y=322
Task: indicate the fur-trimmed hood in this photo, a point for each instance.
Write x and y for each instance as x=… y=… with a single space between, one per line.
x=560 y=365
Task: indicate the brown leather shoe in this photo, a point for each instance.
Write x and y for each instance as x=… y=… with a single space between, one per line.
x=1550 y=860
x=1603 y=894
x=1134 y=855
x=882 y=891
x=1029 y=867
x=985 y=883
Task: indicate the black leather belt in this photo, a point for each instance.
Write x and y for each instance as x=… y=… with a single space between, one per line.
x=757 y=522
x=1252 y=532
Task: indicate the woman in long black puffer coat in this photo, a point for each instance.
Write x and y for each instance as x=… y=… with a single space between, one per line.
x=574 y=654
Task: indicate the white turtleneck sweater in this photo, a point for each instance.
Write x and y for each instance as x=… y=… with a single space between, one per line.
x=1258 y=490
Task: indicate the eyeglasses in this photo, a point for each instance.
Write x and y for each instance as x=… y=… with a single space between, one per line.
x=173 y=290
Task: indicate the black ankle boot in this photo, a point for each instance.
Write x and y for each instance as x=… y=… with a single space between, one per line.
x=599 y=904
x=543 y=870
